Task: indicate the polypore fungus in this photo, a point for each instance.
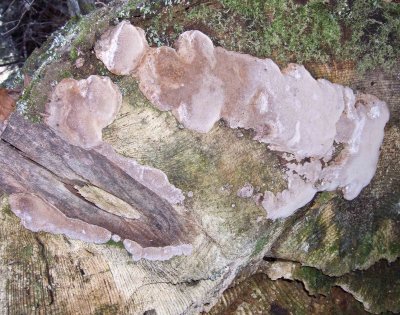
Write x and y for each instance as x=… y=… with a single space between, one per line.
x=360 y=131
x=122 y=48
x=153 y=178
x=288 y=110
x=38 y=215
x=68 y=181
x=79 y=110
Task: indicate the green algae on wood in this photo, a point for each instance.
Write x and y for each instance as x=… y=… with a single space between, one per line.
x=326 y=250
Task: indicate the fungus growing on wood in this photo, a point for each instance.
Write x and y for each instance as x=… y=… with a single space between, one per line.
x=246 y=191
x=360 y=131
x=38 y=215
x=289 y=110
x=156 y=253
x=122 y=48
x=75 y=184
x=153 y=178
x=79 y=110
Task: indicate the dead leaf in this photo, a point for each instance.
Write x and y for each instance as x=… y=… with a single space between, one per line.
x=7 y=103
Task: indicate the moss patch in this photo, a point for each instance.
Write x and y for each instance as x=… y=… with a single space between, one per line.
x=366 y=32
x=261 y=242
x=315 y=281
x=115 y=244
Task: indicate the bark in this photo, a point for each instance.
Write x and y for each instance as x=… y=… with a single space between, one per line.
x=51 y=168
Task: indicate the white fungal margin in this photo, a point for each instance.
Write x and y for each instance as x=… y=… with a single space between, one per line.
x=289 y=110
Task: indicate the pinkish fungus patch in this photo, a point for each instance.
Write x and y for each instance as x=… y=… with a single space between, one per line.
x=156 y=253
x=38 y=215
x=246 y=191
x=122 y=48
x=117 y=195
x=79 y=110
x=288 y=110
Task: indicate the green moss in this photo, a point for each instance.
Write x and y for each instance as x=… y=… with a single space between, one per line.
x=366 y=32
x=164 y=28
x=394 y=248
x=374 y=28
x=253 y=9
x=316 y=282
x=115 y=244
x=364 y=249
x=7 y=209
x=324 y=197
x=65 y=74
x=279 y=29
x=260 y=244
x=73 y=54
x=85 y=30
x=378 y=286
x=333 y=249
x=129 y=88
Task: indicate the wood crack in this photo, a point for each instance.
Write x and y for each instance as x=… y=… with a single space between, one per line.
x=48 y=277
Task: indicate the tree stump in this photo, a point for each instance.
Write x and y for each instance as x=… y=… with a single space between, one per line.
x=331 y=242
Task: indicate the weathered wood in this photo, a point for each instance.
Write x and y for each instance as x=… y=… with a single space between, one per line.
x=34 y=159
x=50 y=274
x=260 y=295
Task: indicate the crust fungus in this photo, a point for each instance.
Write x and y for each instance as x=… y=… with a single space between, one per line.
x=122 y=48
x=288 y=110
x=75 y=184
x=156 y=253
x=79 y=110
x=246 y=191
x=150 y=177
x=360 y=131
x=38 y=215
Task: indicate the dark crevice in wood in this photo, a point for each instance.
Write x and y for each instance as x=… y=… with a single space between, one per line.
x=49 y=278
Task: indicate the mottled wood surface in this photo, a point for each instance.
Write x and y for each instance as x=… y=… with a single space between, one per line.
x=49 y=274
x=260 y=295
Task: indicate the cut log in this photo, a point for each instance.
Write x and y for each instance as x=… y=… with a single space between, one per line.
x=230 y=235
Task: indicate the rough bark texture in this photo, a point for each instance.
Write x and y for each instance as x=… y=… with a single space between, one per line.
x=337 y=239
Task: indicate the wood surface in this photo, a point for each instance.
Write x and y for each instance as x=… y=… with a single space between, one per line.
x=43 y=273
